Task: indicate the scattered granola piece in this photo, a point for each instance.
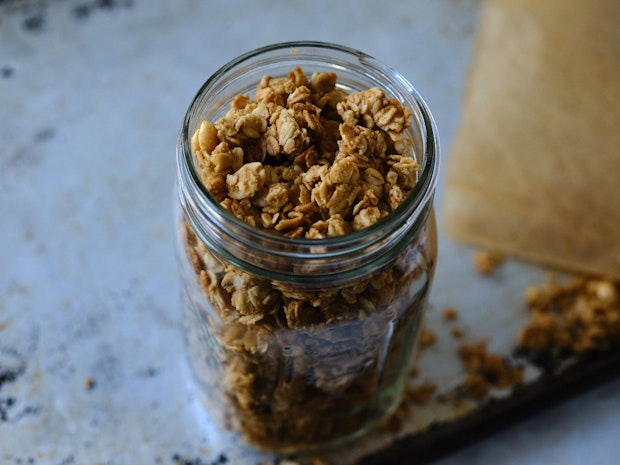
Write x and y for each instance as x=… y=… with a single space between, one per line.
x=476 y=386
x=89 y=383
x=487 y=262
x=487 y=368
x=421 y=394
x=426 y=338
x=574 y=318
x=450 y=314
x=456 y=333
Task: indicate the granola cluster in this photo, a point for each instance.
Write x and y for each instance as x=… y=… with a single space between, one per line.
x=486 y=370
x=289 y=365
x=487 y=262
x=576 y=318
x=294 y=367
x=306 y=159
x=570 y=319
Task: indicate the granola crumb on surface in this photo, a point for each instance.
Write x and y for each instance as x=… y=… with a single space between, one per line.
x=421 y=394
x=476 y=386
x=456 y=333
x=577 y=317
x=450 y=314
x=89 y=383
x=487 y=262
x=486 y=370
x=427 y=338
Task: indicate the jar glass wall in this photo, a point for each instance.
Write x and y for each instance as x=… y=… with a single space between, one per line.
x=300 y=343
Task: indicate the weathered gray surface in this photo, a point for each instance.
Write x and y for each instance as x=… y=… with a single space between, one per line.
x=92 y=94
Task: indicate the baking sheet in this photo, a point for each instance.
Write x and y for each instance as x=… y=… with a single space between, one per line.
x=91 y=353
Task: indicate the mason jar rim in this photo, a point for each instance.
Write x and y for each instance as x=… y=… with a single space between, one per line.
x=405 y=214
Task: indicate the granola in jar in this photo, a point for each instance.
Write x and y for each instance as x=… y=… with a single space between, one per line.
x=308 y=245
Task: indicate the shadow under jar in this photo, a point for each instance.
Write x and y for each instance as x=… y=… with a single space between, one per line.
x=300 y=342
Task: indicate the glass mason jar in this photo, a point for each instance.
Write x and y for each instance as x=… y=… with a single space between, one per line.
x=324 y=352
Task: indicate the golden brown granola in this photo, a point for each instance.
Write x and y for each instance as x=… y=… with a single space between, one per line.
x=89 y=383
x=574 y=318
x=420 y=394
x=305 y=159
x=450 y=314
x=486 y=370
x=427 y=338
x=487 y=262
x=577 y=317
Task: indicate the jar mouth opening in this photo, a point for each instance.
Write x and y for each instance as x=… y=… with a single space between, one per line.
x=405 y=213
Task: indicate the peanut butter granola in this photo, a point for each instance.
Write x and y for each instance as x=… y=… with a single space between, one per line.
x=578 y=317
x=305 y=159
x=487 y=262
x=486 y=370
x=289 y=365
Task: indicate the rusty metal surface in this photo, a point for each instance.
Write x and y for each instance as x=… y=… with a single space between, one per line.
x=92 y=93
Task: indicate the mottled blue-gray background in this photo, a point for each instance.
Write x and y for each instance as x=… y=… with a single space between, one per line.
x=92 y=93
